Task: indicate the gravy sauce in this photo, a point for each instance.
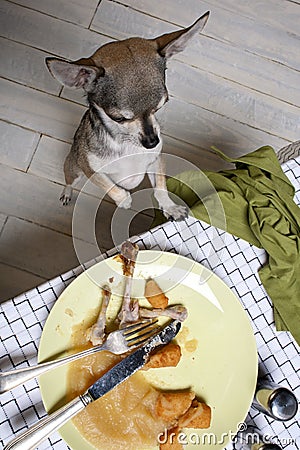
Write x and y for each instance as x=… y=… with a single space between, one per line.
x=124 y=418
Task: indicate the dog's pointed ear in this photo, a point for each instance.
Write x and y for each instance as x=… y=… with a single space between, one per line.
x=78 y=74
x=172 y=43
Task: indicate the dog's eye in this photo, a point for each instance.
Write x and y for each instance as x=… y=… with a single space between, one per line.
x=116 y=118
x=119 y=119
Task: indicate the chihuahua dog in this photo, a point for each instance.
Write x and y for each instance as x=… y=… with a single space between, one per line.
x=118 y=140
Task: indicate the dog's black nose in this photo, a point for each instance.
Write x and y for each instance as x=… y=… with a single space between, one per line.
x=150 y=141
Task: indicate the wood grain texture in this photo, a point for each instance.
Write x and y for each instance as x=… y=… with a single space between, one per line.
x=49 y=250
x=276 y=14
x=18 y=145
x=233 y=101
x=75 y=11
x=203 y=128
x=255 y=36
x=246 y=69
x=3 y=218
x=15 y=281
x=47 y=33
x=39 y=111
x=26 y=65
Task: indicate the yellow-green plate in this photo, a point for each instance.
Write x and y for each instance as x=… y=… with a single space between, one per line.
x=219 y=360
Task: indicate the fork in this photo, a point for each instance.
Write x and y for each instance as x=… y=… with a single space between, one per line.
x=117 y=342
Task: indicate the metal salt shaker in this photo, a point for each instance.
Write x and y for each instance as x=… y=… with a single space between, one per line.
x=275 y=401
x=264 y=446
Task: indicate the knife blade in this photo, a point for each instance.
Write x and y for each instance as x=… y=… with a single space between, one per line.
x=36 y=434
x=135 y=361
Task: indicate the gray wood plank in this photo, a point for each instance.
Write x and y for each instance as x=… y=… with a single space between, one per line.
x=256 y=37
x=3 y=218
x=201 y=158
x=39 y=111
x=74 y=11
x=283 y=14
x=36 y=199
x=119 y=22
x=253 y=71
x=234 y=101
x=26 y=65
x=221 y=58
x=30 y=254
x=47 y=33
x=75 y=95
x=16 y=281
x=17 y=145
x=48 y=162
x=36 y=249
x=203 y=129
x=280 y=14
x=49 y=158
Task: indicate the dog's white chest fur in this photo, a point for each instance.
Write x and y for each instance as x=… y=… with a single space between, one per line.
x=129 y=170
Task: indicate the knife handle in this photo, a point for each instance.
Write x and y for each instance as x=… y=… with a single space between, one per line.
x=36 y=434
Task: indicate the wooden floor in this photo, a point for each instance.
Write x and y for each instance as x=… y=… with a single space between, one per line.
x=236 y=87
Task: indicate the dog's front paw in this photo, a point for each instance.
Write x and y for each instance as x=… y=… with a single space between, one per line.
x=66 y=195
x=176 y=212
x=124 y=199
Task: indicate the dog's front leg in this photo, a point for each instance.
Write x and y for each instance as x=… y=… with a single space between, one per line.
x=73 y=173
x=120 y=196
x=158 y=180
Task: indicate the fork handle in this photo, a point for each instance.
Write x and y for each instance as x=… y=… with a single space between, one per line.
x=13 y=378
x=36 y=434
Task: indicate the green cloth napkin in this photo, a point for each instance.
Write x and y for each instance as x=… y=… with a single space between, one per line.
x=257 y=199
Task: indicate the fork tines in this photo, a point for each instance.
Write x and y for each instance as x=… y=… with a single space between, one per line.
x=140 y=332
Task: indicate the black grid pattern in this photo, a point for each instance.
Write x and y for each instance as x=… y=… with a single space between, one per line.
x=231 y=258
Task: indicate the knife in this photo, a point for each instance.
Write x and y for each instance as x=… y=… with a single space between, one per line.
x=36 y=434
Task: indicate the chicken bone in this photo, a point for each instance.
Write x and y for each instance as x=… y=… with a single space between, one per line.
x=96 y=333
x=177 y=312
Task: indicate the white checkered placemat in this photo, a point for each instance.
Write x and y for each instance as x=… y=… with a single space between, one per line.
x=235 y=261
